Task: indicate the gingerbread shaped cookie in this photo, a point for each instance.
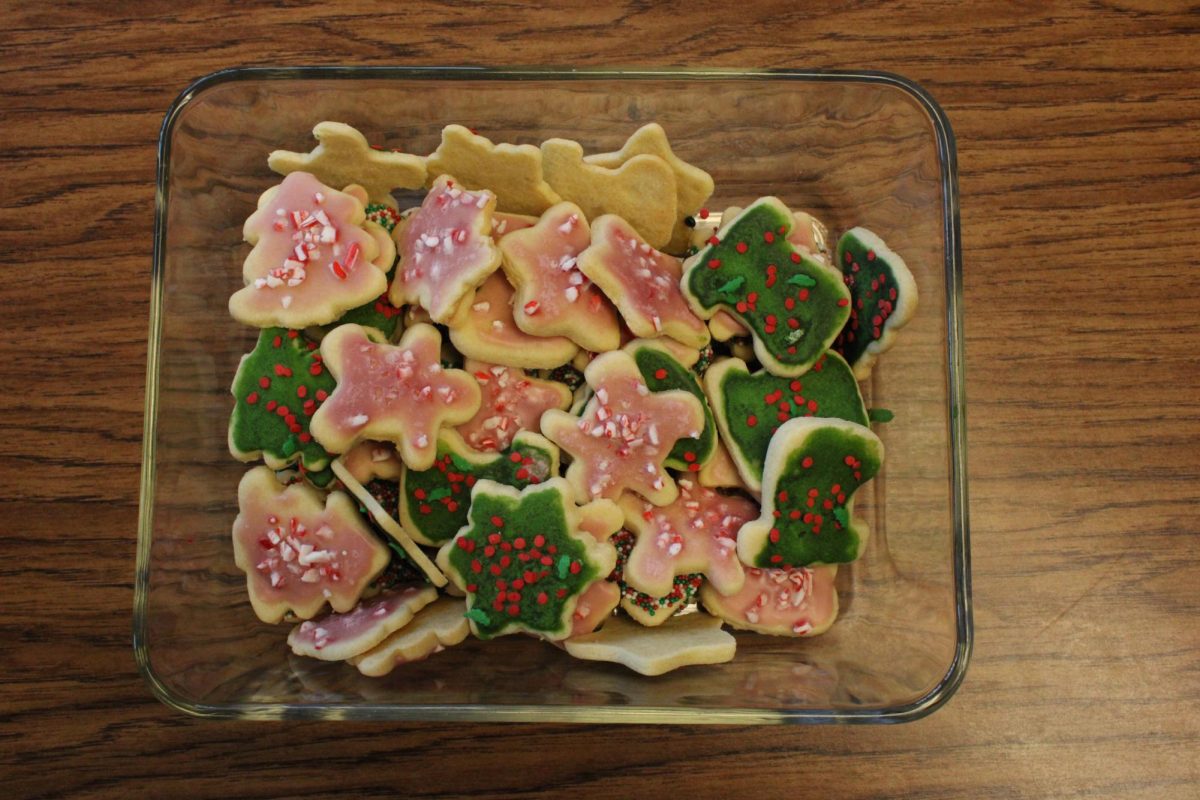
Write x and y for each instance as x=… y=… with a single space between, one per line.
x=315 y=256
x=696 y=533
x=640 y=191
x=439 y=625
x=523 y=560
x=483 y=328
x=434 y=502
x=692 y=185
x=512 y=171
x=278 y=387
x=395 y=393
x=683 y=641
x=336 y=637
x=794 y=306
x=553 y=298
x=342 y=157
x=445 y=249
x=625 y=434
x=512 y=402
x=883 y=298
x=299 y=552
x=749 y=408
x=813 y=468
x=666 y=367
x=779 y=602
x=642 y=282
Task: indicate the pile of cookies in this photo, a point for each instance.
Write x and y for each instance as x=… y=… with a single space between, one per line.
x=558 y=397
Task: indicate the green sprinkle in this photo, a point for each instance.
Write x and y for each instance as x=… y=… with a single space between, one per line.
x=732 y=285
x=289 y=446
x=478 y=616
x=440 y=493
x=841 y=515
x=801 y=280
x=795 y=336
x=396 y=549
x=564 y=566
x=880 y=415
x=461 y=462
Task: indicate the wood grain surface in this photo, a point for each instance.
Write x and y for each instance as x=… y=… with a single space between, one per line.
x=1078 y=129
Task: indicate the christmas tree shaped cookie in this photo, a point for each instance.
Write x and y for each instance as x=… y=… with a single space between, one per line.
x=300 y=552
x=523 y=560
x=793 y=305
x=315 y=256
x=434 y=502
x=813 y=468
x=393 y=393
x=625 y=433
x=278 y=387
x=445 y=249
x=883 y=298
x=666 y=366
x=749 y=408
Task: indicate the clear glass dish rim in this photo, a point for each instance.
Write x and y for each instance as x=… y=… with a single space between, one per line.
x=956 y=390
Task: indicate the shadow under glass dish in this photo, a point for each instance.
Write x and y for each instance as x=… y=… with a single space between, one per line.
x=852 y=148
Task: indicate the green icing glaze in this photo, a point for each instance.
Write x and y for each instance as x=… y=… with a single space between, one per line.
x=874 y=294
x=434 y=502
x=793 y=305
x=663 y=373
x=753 y=406
x=379 y=314
x=812 y=523
x=880 y=415
x=277 y=388
x=508 y=559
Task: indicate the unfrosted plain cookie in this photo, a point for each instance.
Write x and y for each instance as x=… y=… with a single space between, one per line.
x=681 y=641
x=512 y=171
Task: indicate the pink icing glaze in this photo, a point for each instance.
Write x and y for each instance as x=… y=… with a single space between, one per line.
x=298 y=552
x=553 y=297
x=369 y=623
x=642 y=282
x=484 y=328
x=782 y=602
x=445 y=248
x=312 y=260
x=625 y=433
x=696 y=533
x=397 y=393
x=512 y=402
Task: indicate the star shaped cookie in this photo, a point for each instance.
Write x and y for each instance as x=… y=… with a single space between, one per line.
x=512 y=171
x=395 y=393
x=445 y=249
x=642 y=282
x=693 y=185
x=696 y=533
x=681 y=641
x=625 y=433
x=553 y=298
x=343 y=156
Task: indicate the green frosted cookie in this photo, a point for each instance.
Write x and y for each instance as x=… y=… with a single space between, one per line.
x=523 y=559
x=278 y=387
x=434 y=502
x=749 y=408
x=378 y=315
x=793 y=305
x=813 y=468
x=665 y=366
x=883 y=298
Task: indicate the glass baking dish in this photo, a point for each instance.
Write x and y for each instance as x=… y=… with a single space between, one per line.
x=851 y=147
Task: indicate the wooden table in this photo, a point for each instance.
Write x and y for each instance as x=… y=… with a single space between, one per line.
x=1078 y=130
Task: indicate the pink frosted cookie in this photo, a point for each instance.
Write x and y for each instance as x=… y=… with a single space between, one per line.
x=483 y=328
x=625 y=433
x=696 y=533
x=336 y=637
x=512 y=402
x=396 y=393
x=445 y=249
x=315 y=256
x=439 y=625
x=778 y=602
x=298 y=552
x=642 y=282
x=553 y=297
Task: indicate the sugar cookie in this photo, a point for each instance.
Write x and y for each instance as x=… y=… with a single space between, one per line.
x=512 y=171
x=680 y=642
x=439 y=625
x=665 y=368
x=647 y=609
x=883 y=298
x=779 y=602
x=512 y=402
x=342 y=156
x=338 y=636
